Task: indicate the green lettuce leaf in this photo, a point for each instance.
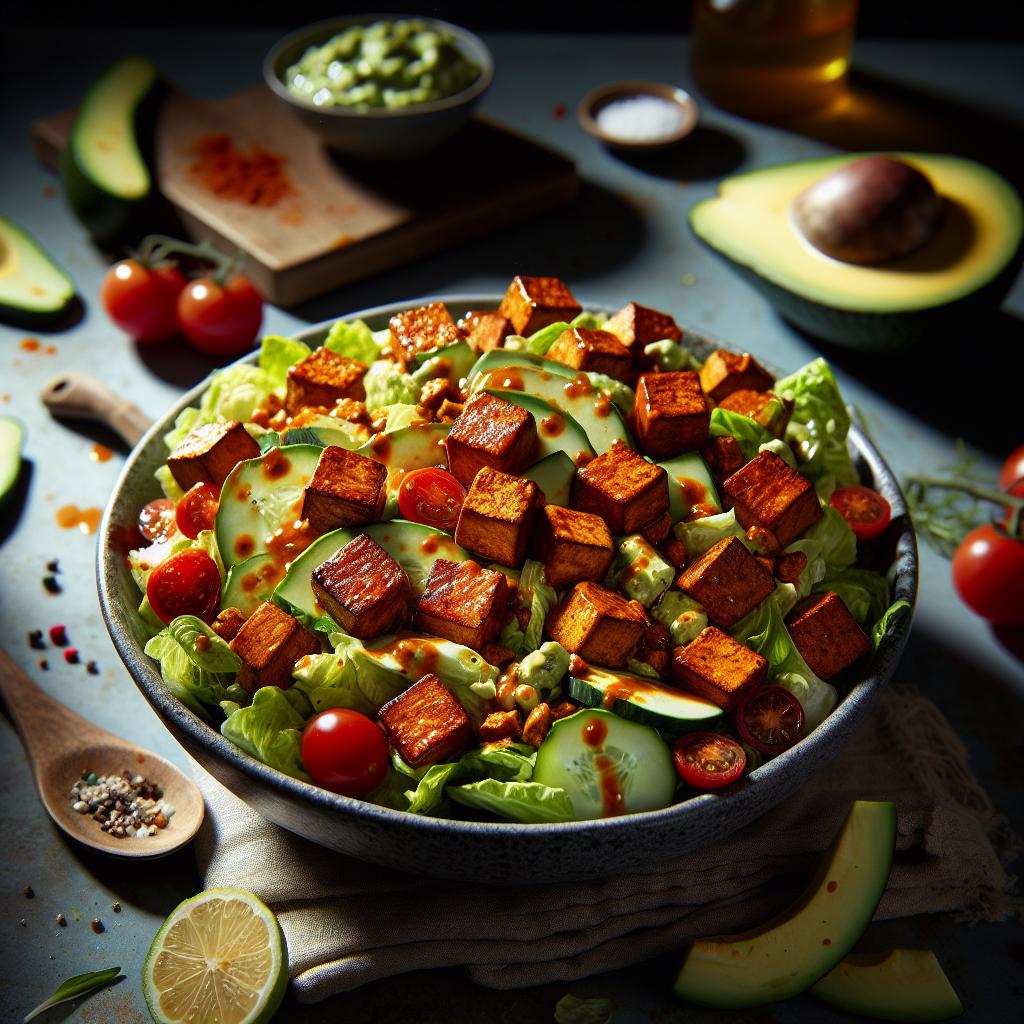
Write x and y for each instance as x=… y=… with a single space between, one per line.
x=212 y=654
x=270 y=729
x=830 y=547
x=513 y=763
x=622 y=395
x=590 y=321
x=515 y=801
x=865 y=593
x=749 y=434
x=671 y=356
x=701 y=534
x=571 y=1010
x=428 y=795
x=385 y=384
x=541 y=597
x=277 y=354
x=542 y=340
x=199 y=689
x=353 y=340
x=887 y=619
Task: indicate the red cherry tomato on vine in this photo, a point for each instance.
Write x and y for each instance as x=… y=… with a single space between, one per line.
x=988 y=573
x=770 y=719
x=431 y=496
x=156 y=519
x=197 y=510
x=188 y=583
x=344 y=751
x=221 y=320
x=141 y=300
x=706 y=760
x=1011 y=476
x=865 y=510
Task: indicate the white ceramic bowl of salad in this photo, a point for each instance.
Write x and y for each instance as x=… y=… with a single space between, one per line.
x=445 y=841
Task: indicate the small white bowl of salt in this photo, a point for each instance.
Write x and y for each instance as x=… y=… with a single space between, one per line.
x=638 y=115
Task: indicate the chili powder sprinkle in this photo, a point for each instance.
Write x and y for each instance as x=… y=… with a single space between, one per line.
x=255 y=176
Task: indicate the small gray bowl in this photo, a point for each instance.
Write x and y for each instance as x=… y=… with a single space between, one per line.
x=378 y=134
x=489 y=852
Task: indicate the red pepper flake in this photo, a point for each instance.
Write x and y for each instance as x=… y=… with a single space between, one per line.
x=58 y=636
x=92 y=668
x=30 y=344
x=255 y=177
x=832 y=886
x=71 y=656
x=826 y=942
x=35 y=640
x=559 y=112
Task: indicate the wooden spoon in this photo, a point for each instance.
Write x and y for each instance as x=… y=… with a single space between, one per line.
x=61 y=745
x=81 y=397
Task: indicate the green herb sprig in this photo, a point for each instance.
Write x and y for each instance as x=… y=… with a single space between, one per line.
x=79 y=985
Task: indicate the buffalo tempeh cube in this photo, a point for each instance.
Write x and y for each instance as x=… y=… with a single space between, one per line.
x=826 y=634
x=426 y=724
x=322 y=379
x=346 y=490
x=622 y=487
x=728 y=581
x=421 y=330
x=724 y=372
x=718 y=668
x=671 y=413
x=485 y=330
x=593 y=351
x=463 y=603
x=269 y=643
x=210 y=452
x=498 y=516
x=597 y=624
x=574 y=546
x=531 y=303
x=490 y=432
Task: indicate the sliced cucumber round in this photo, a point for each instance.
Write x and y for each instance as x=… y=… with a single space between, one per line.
x=607 y=765
x=506 y=357
x=415 y=547
x=250 y=583
x=553 y=475
x=408 y=448
x=690 y=483
x=295 y=592
x=557 y=430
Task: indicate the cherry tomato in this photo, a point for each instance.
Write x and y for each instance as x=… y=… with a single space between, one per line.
x=988 y=573
x=432 y=496
x=221 y=320
x=1011 y=476
x=344 y=751
x=188 y=583
x=706 y=760
x=197 y=510
x=143 y=300
x=156 y=520
x=866 y=511
x=770 y=719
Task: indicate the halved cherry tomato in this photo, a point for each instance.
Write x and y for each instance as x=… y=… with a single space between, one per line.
x=988 y=573
x=143 y=300
x=221 y=320
x=1011 y=476
x=197 y=510
x=156 y=520
x=707 y=760
x=188 y=583
x=770 y=719
x=431 y=496
x=344 y=751
x=866 y=511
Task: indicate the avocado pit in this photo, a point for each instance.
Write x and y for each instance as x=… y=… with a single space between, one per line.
x=870 y=211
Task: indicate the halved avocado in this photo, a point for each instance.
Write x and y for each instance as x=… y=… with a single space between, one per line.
x=966 y=267
x=12 y=440
x=792 y=951
x=103 y=168
x=33 y=289
x=902 y=984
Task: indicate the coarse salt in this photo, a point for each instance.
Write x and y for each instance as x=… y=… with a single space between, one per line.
x=640 y=118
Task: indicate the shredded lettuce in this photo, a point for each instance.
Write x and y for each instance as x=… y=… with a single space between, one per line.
x=385 y=384
x=353 y=340
x=701 y=534
x=749 y=434
x=537 y=597
x=269 y=729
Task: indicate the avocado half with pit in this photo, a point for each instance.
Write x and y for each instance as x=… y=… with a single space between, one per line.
x=963 y=270
x=34 y=291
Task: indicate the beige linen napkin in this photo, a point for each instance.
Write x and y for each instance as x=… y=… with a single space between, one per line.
x=348 y=923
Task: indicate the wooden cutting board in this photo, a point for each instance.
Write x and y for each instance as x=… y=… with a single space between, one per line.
x=343 y=220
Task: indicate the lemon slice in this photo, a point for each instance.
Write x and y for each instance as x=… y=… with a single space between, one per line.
x=218 y=959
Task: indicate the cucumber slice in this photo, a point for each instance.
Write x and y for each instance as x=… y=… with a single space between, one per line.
x=644 y=700
x=499 y=357
x=12 y=439
x=408 y=448
x=322 y=434
x=557 y=430
x=458 y=361
x=607 y=765
x=588 y=406
x=295 y=592
x=255 y=502
x=415 y=547
x=690 y=483
x=250 y=583
x=553 y=475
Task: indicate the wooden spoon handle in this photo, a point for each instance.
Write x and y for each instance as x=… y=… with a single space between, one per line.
x=79 y=396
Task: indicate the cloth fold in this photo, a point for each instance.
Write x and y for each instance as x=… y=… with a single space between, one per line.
x=348 y=923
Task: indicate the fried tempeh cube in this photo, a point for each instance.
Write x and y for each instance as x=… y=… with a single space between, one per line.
x=593 y=351
x=426 y=724
x=622 y=487
x=269 y=643
x=501 y=725
x=826 y=634
x=463 y=602
x=764 y=407
x=728 y=581
x=498 y=516
x=597 y=624
x=671 y=414
x=718 y=668
x=227 y=624
x=485 y=330
x=421 y=330
x=346 y=490
x=636 y=326
x=656 y=532
x=724 y=372
x=362 y=588
x=723 y=456
x=767 y=492
x=322 y=379
x=531 y=303
x=574 y=546
x=490 y=432
x=210 y=452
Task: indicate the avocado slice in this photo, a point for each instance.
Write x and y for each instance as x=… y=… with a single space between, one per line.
x=967 y=265
x=902 y=984
x=33 y=290
x=12 y=440
x=106 y=180
x=802 y=944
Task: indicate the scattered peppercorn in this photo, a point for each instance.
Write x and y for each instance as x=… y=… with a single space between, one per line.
x=96 y=925
x=115 y=907
x=71 y=655
x=23 y=923
x=44 y=664
x=62 y=921
x=58 y=636
x=29 y=892
x=51 y=585
x=53 y=566
x=35 y=640
x=92 y=668
x=125 y=805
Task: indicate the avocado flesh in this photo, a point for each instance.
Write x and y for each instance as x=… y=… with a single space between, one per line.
x=802 y=944
x=903 y=985
x=971 y=258
x=12 y=439
x=31 y=284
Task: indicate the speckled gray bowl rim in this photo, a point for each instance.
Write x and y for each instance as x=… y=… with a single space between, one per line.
x=481 y=52
x=743 y=801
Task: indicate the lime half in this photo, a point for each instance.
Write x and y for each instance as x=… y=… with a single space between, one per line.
x=218 y=959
